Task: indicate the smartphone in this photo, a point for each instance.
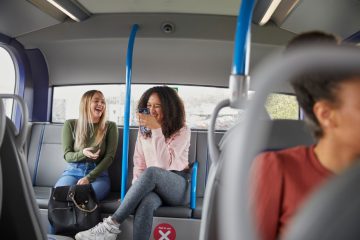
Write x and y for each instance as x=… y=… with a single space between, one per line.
x=144 y=129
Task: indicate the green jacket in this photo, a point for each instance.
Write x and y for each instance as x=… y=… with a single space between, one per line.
x=107 y=147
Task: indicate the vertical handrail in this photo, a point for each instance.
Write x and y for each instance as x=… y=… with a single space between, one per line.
x=194 y=175
x=238 y=83
x=242 y=38
x=125 y=153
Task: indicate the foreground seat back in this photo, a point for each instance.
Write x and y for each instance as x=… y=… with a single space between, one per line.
x=20 y=219
x=332 y=212
x=2 y=131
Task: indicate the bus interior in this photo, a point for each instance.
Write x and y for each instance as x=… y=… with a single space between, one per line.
x=216 y=54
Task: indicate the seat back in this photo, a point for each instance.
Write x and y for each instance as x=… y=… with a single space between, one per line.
x=45 y=157
x=20 y=219
x=282 y=134
x=286 y=133
x=2 y=131
x=202 y=156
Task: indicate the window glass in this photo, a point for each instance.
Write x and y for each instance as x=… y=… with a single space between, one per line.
x=282 y=106
x=7 y=76
x=66 y=103
x=199 y=104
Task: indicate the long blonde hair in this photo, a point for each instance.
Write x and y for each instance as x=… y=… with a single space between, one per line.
x=84 y=124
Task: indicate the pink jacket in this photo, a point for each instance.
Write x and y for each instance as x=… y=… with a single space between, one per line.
x=170 y=154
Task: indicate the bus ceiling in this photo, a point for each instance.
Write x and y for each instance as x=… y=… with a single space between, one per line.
x=294 y=16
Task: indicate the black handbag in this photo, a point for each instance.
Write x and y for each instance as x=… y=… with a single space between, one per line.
x=73 y=209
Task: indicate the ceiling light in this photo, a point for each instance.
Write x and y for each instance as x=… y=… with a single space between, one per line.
x=264 y=10
x=71 y=8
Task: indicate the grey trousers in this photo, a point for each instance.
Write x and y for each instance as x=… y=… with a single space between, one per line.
x=153 y=188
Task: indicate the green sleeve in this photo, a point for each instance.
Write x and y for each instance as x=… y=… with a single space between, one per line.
x=70 y=155
x=107 y=152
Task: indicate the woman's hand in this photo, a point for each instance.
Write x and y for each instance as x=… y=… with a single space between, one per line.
x=83 y=181
x=89 y=154
x=148 y=121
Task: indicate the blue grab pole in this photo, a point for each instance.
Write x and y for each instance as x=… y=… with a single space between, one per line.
x=242 y=38
x=125 y=153
x=193 y=185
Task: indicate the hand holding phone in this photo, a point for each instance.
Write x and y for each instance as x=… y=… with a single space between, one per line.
x=144 y=129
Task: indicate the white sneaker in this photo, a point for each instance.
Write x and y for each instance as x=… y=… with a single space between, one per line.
x=106 y=230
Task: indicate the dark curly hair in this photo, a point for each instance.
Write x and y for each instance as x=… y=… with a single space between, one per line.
x=172 y=108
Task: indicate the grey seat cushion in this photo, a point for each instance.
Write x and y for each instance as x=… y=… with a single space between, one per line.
x=111 y=203
x=42 y=195
x=173 y=212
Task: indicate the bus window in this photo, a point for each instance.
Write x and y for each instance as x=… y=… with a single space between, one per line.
x=7 y=76
x=66 y=101
x=67 y=98
x=199 y=104
x=282 y=106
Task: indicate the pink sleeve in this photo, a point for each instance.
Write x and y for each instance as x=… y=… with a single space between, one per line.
x=173 y=153
x=267 y=194
x=138 y=159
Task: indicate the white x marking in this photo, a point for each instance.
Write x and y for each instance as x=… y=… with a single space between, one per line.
x=164 y=236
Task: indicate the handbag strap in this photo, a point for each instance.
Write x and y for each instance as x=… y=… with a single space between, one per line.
x=71 y=195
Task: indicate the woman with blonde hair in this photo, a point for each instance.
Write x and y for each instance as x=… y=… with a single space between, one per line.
x=89 y=145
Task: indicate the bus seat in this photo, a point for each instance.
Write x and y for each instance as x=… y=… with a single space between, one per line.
x=2 y=131
x=45 y=150
x=21 y=218
x=202 y=156
x=285 y=133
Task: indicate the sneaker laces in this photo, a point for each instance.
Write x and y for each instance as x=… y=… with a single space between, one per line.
x=100 y=228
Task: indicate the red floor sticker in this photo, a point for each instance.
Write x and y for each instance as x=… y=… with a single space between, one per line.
x=164 y=231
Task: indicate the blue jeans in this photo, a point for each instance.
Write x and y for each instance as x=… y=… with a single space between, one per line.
x=76 y=171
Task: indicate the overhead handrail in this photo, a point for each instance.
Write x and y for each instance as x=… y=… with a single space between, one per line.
x=125 y=153
x=236 y=219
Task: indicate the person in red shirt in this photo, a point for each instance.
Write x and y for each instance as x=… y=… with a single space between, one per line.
x=283 y=179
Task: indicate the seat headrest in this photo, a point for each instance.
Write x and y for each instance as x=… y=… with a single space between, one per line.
x=288 y=133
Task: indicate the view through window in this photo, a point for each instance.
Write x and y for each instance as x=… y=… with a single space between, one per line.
x=7 y=76
x=199 y=104
x=282 y=106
